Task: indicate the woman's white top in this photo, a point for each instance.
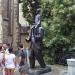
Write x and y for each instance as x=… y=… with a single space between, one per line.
x=9 y=60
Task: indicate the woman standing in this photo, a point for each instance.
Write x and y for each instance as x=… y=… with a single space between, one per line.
x=10 y=63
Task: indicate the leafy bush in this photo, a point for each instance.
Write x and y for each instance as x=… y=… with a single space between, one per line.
x=58 y=20
x=30 y=15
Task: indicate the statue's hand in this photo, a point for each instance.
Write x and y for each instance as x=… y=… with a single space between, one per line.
x=33 y=39
x=27 y=39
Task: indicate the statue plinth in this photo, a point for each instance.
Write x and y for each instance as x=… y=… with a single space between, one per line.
x=38 y=70
x=71 y=66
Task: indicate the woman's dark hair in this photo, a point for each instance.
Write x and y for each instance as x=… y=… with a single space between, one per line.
x=10 y=50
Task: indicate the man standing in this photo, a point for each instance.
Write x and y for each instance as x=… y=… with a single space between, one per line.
x=35 y=38
x=22 y=60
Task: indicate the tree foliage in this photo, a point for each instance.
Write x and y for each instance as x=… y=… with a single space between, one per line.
x=29 y=9
x=58 y=20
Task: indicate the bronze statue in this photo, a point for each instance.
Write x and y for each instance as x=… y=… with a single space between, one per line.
x=36 y=43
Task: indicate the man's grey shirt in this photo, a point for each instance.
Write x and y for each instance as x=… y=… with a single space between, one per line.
x=23 y=55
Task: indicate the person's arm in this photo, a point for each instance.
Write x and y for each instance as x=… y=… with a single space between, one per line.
x=19 y=57
x=19 y=60
x=15 y=61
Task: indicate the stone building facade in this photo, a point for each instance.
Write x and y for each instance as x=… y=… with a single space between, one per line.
x=11 y=30
x=9 y=11
x=10 y=22
x=1 y=32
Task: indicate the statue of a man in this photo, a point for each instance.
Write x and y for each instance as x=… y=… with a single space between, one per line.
x=36 y=37
x=36 y=46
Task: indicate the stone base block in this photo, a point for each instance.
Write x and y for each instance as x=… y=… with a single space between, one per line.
x=39 y=71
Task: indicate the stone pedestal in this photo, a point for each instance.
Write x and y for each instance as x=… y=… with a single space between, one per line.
x=71 y=66
x=39 y=71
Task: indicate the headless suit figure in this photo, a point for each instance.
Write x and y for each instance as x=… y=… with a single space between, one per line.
x=36 y=44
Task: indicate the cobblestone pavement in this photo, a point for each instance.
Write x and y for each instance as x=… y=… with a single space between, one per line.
x=56 y=70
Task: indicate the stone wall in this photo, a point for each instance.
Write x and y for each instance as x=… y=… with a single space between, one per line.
x=15 y=18
x=5 y=20
x=10 y=21
x=1 y=32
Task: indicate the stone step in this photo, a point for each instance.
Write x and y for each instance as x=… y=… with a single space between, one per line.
x=39 y=71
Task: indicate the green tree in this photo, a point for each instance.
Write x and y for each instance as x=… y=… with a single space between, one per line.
x=58 y=20
x=20 y=1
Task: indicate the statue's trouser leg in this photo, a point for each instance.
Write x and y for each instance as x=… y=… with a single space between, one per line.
x=39 y=57
x=32 y=59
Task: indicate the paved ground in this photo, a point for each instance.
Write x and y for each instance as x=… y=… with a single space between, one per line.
x=56 y=70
